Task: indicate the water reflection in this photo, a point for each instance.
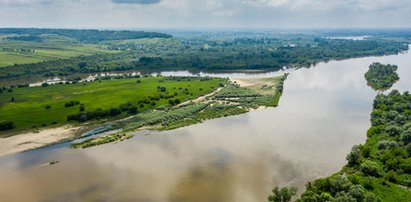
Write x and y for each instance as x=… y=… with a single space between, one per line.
x=323 y=113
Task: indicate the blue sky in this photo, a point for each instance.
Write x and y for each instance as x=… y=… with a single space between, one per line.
x=205 y=13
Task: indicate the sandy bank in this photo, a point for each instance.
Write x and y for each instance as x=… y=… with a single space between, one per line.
x=33 y=140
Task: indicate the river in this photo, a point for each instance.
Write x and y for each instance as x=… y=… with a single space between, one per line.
x=324 y=111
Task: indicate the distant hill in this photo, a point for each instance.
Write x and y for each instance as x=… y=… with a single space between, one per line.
x=86 y=36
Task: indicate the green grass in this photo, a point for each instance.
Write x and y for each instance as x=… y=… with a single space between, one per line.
x=52 y=49
x=29 y=108
x=11 y=58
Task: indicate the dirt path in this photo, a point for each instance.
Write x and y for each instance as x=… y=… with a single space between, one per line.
x=32 y=140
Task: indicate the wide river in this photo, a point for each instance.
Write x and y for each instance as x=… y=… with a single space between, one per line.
x=324 y=111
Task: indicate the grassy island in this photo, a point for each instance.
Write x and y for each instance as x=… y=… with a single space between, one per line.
x=381 y=77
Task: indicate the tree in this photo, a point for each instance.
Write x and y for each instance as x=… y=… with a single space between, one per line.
x=406 y=136
x=82 y=108
x=114 y=111
x=354 y=156
x=282 y=195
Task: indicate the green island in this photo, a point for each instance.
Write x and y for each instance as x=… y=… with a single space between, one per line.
x=109 y=98
x=228 y=100
x=102 y=140
x=381 y=77
x=379 y=170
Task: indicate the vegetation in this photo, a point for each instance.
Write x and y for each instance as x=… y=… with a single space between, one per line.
x=379 y=170
x=104 y=98
x=229 y=100
x=90 y=36
x=282 y=195
x=90 y=51
x=381 y=77
x=102 y=140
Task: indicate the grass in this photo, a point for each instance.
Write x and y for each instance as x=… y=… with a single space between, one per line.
x=29 y=109
x=52 y=49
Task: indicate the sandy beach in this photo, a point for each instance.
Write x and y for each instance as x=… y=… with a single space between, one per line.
x=33 y=140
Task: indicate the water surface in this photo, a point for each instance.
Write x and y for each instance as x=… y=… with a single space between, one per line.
x=324 y=111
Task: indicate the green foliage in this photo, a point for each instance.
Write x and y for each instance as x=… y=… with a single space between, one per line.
x=381 y=77
x=89 y=35
x=6 y=125
x=282 y=195
x=354 y=156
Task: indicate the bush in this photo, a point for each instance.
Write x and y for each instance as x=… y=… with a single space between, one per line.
x=384 y=144
x=71 y=103
x=406 y=136
x=114 y=111
x=6 y=125
x=370 y=168
x=82 y=108
x=354 y=156
x=282 y=195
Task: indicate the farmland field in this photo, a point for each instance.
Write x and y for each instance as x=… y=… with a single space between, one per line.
x=26 y=52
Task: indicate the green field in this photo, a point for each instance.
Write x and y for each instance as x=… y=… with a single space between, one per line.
x=26 y=52
x=29 y=107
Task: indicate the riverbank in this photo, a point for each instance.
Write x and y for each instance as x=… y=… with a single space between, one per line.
x=38 y=139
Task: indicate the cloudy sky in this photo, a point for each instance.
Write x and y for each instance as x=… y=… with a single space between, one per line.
x=205 y=13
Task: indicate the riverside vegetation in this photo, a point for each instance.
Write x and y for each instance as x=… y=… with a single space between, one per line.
x=379 y=170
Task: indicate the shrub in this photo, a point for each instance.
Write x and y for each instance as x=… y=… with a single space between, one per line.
x=354 y=156
x=6 y=125
x=114 y=111
x=282 y=195
x=370 y=168
x=384 y=144
x=406 y=136
x=71 y=103
x=357 y=192
x=82 y=108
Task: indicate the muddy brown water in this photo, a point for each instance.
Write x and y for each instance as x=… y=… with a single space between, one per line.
x=324 y=111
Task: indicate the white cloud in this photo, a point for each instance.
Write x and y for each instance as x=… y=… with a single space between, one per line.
x=205 y=13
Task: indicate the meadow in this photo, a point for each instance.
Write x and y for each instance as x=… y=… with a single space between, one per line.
x=51 y=105
x=53 y=48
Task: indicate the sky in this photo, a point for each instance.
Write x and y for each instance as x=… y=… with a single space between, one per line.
x=203 y=14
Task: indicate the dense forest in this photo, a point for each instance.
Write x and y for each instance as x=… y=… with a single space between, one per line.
x=381 y=77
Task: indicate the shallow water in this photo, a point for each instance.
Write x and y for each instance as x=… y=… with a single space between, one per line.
x=324 y=111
